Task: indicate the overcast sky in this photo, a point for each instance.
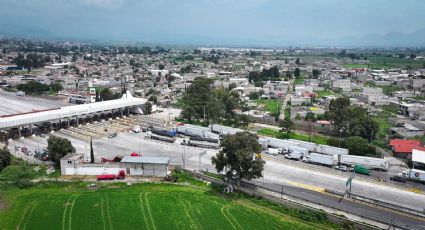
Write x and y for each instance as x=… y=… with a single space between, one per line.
x=212 y=21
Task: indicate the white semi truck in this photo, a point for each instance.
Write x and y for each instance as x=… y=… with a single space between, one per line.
x=414 y=175
x=330 y=150
x=368 y=162
x=322 y=159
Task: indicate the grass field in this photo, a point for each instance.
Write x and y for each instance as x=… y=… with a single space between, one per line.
x=318 y=139
x=143 y=206
x=271 y=105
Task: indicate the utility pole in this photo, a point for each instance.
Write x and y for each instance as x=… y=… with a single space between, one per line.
x=281 y=193
x=204 y=113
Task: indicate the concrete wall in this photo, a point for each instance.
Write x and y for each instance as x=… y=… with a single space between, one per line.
x=92 y=171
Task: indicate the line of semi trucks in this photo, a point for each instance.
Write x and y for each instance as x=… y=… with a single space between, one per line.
x=209 y=137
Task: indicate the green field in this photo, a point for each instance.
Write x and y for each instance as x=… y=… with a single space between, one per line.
x=270 y=105
x=318 y=139
x=145 y=206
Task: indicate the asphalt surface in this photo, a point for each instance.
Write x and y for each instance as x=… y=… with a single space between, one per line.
x=360 y=209
x=12 y=104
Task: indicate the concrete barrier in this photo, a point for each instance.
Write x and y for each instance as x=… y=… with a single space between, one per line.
x=380 y=203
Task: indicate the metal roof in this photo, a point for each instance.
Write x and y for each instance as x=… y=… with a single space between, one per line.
x=69 y=111
x=146 y=160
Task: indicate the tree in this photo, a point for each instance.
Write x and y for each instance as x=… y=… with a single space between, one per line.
x=287 y=126
x=232 y=86
x=91 y=151
x=351 y=120
x=33 y=87
x=58 y=147
x=153 y=99
x=253 y=96
x=297 y=61
x=5 y=158
x=196 y=98
x=106 y=94
x=148 y=108
x=297 y=73
x=19 y=174
x=238 y=156
x=316 y=73
x=56 y=86
x=161 y=66
x=358 y=146
x=288 y=74
x=310 y=117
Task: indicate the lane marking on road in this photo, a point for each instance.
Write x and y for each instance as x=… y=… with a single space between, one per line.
x=306 y=186
x=359 y=178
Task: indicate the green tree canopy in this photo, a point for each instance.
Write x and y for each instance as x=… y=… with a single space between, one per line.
x=238 y=154
x=5 y=158
x=287 y=126
x=33 y=87
x=58 y=148
x=316 y=73
x=351 y=120
x=148 y=108
x=297 y=73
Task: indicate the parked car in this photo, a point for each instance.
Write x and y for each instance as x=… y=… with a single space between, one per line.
x=112 y=135
x=398 y=179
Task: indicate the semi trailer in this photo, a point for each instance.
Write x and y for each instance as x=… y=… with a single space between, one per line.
x=368 y=162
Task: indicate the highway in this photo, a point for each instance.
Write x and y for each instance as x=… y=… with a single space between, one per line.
x=364 y=210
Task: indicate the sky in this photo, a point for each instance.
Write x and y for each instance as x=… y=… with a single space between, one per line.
x=221 y=22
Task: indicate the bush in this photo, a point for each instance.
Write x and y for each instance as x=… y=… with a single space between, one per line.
x=19 y=175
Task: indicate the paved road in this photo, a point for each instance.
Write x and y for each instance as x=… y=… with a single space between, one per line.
x=384 y=215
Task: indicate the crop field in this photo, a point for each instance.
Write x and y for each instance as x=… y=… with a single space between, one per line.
x=142 y=206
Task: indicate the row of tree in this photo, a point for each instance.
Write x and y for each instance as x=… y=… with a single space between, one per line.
x=271 y=73
x=35 y=87
x=31 y=60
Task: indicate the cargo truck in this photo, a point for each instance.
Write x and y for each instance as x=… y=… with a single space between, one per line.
x=413 y=175
x=294 y=156
x=303 y=151
x=272 y=151
x=212 y=140
x=202 y=144
x=368 y=162
x=321 y=159
x=305 y=144
x=330 y=150
x=224 y=130
x=163 y=132
x=361 y=170
x=161 y=138
x=121 y=175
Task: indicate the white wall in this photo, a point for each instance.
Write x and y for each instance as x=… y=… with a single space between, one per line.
x=92 y=171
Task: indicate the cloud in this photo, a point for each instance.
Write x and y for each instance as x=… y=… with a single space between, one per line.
x=105 y=4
